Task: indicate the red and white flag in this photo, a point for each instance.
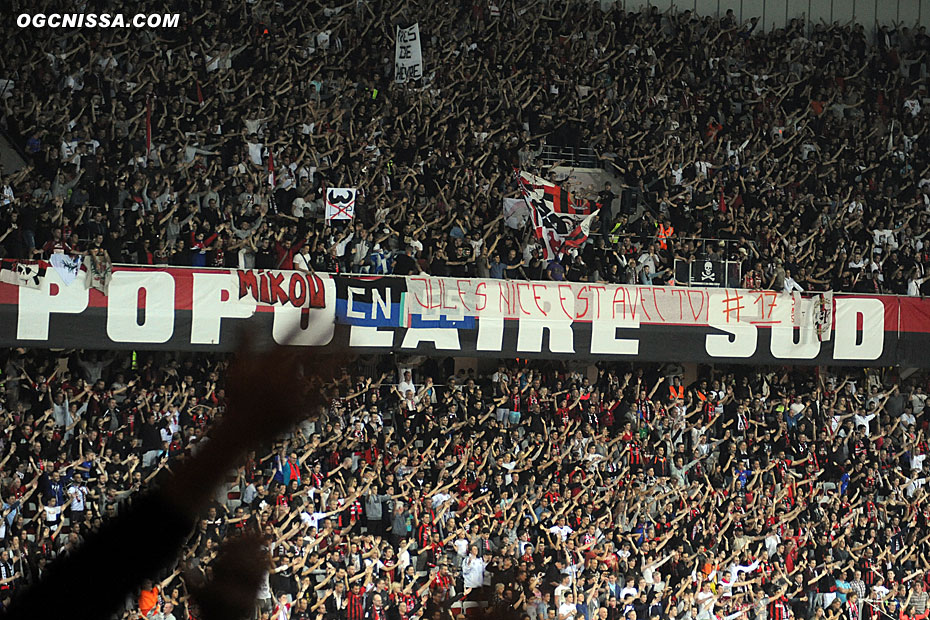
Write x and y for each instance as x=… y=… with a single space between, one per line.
x=272 y=179
x=581 y=232
x=558 y=220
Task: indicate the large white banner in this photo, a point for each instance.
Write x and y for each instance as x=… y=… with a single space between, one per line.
x=408 y=59
x=190 y=309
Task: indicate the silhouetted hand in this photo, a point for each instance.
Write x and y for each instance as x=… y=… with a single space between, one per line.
x=270 y=391
x=237 y=573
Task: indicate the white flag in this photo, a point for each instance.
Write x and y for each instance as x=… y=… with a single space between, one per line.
x=68 y=267
x=823 y=315
x=408 y=59
x=516 y=213
x=25 y=274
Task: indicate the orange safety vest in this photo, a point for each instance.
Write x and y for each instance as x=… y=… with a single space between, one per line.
x=680 y=393
x=665 y=233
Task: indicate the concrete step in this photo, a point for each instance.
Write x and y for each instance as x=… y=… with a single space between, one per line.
x=10 y=159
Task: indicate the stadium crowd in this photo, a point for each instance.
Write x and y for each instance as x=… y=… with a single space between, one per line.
x=800 y=152
x=544 y=491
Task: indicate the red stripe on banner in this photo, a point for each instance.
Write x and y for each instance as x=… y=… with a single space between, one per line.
x=914 y=315
x=183 y=288
x=559 y=202
x=566 y=199
x=96 y=299
x=553 y=193
x=9 y=294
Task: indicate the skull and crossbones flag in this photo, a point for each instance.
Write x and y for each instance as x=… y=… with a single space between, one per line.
x=340 y=203
x=20 y=273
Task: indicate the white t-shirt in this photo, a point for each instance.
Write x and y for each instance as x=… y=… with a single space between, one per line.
x=647 y=259
x=299 y=206
x=403 y=560
x=306 y=172
x=473 y=571
x=918 y=401
x=52 y=513
x=706 y=600
x=301 y=262
x=510 y=466
x=881 y=236
x=254 y=125
x=255 y=152
x=917 y=462
x=78 y=493
x=264 y=587
x=312 y=520
x=863 y=420
x=792 y=285
x=562 y=531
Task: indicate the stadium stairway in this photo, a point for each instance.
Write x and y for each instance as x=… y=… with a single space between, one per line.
x=585 y=180
x=10 y=159
x=590 y=181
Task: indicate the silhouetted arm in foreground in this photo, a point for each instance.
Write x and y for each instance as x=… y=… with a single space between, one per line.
x=268 y=392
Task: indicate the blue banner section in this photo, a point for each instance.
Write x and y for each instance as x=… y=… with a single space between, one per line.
x=358 y=312
x=431 y=322
x=376 y=302
x=368 y=314
x=385 y=302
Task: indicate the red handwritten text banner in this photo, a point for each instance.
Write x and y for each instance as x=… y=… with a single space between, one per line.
x=458 y=298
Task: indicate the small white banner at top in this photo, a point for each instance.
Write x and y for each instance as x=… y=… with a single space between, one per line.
x=340 y=203
x=408 y=59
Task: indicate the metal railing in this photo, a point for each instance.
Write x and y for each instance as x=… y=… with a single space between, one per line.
x=570 y=156
x=723 y=249
x=726 y=249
